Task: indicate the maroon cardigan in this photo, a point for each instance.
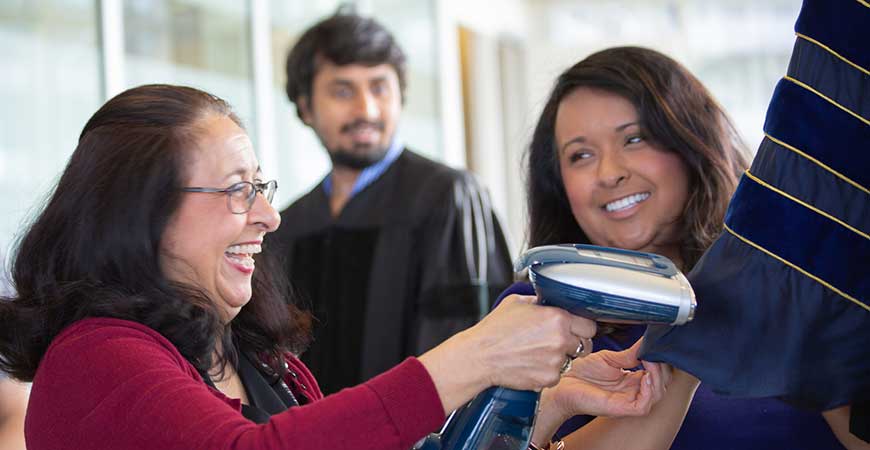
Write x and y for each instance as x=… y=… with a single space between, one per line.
x=113 y=384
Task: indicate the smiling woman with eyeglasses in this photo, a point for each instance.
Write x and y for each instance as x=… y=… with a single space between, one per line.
x=161 y=326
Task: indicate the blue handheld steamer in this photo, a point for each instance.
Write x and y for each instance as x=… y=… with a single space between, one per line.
x=599 y=283
x=610 y=285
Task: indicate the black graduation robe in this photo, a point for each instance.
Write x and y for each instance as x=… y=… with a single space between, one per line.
x=412 y=259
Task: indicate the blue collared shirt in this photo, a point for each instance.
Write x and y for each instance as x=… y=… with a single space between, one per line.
x=372 y=172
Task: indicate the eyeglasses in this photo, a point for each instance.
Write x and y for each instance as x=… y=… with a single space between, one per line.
x=241 y=196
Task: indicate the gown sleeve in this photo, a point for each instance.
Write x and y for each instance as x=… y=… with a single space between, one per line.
x=464 y=261
x=783 y=294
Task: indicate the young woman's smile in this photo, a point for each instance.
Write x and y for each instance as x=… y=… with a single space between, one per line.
x=624 y=191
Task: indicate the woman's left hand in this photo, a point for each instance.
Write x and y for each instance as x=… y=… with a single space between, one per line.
x=601 y=385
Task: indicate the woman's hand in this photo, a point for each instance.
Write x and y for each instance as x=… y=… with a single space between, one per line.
x=601 y=385
x=519 y=345
x=523 y=345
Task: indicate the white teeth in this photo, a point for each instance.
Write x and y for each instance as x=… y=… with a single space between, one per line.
x=243 y=254
x=243 y=260
x=626 y=202
x=249 y=249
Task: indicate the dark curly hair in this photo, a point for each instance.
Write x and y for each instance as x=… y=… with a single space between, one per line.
x=93 y=250
x=675 y=111
x=342 y=39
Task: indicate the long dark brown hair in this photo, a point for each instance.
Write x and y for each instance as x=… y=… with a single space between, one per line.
x=675 y=111
x=93 y=250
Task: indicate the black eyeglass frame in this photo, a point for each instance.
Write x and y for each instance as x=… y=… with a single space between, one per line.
x=267 y=188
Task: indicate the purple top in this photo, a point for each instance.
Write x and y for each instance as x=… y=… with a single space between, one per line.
x=719 y=423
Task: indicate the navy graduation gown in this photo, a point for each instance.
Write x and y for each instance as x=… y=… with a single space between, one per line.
x=784 y=293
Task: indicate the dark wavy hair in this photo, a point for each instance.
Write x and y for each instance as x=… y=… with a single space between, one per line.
x=675 y=111
x=93 y=250
x=342 y=39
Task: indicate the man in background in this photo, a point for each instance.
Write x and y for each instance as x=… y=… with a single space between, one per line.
x=393 y=252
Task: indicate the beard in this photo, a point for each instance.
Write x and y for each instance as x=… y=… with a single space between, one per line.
x=361 y=155
x=359 y=158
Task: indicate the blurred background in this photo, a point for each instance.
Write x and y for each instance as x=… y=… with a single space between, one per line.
x=479 y=72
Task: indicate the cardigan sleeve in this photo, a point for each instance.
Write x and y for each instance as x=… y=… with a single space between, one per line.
x=110 y=384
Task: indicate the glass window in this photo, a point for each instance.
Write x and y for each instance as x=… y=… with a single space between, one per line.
x=199 y=43
x=49 y=87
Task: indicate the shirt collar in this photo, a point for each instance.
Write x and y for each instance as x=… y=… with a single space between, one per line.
x=371 y=173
